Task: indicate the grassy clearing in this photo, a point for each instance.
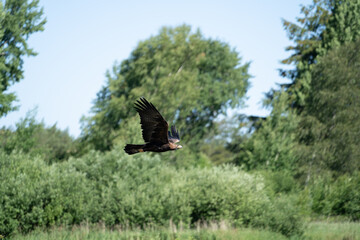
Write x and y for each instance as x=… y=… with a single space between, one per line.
x=315 y=231
x=333 y=231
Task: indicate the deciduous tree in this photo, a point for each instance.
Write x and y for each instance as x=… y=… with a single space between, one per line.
x=18 y=20
x=190 y=78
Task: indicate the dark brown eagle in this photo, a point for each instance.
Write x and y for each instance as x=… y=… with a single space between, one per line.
x=154 y=131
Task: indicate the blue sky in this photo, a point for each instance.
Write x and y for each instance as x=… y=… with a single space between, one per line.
x=84 y=38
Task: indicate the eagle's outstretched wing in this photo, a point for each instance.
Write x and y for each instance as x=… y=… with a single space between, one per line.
x=154 y=126
x=173 y=135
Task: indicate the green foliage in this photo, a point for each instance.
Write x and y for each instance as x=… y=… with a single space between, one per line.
x=313 y=125
x=146 y=191
x=35 y=138
x=210 y=232
x=223 y=140
x=343 y=24
x=283 y=217
x=330 y=127
x=330 y=197
x=139 y=191
x=325 y=24
x=333 y=230
x=189 y=78
x=323 y=230
x=272 y=145
x=217 y=152
x=34 y=194
x=18 y=20
x=280 y=182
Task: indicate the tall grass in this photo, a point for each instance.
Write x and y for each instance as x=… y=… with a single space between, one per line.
x=99 y=232
x=212 y=231
x=333 y=231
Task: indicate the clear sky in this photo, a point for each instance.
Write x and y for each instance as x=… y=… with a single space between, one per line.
x=84 y=38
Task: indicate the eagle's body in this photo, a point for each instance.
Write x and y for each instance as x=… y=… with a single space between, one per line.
x=149 y=147
x=154 y=130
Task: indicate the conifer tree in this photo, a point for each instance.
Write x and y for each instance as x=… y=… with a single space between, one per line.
x=325 y=24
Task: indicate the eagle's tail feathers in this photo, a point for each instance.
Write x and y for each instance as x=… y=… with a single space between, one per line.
x=133 y=148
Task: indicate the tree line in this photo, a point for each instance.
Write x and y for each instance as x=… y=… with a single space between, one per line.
x=195 y=80
x=307 y=147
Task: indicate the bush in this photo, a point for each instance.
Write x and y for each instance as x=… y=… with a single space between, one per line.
x=35 y=138
x=279 y=182
x=134 y=191
x=34 y=194
x=336 y=197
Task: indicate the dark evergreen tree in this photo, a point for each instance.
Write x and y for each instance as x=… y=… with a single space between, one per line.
x=325 y=24
x=330 y=126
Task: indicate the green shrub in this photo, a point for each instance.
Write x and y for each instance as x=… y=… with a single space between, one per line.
x=279 y=182
x=34 y=194
x=283 y=216
x=133 y=191
x=34 y=138
x=336 y=197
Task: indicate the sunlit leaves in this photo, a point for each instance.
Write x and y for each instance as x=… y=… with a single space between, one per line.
x=18 y=20
x=189 y=78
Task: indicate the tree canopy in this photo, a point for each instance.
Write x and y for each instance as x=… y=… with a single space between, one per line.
x=325 y=24
x=329 y=131
x=272 y=145
x=36 y=139
x=18 y=20
x=325 y=84
x=312 y=123
x=191 y=79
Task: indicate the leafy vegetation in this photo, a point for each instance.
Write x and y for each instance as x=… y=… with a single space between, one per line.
x=272 y=146
x=35 y=138
x=329 y=197
x=191 y=79
x=116 y=189
x=18 y=20
x=315 y=231
x=333 y=230
x=312 y=128
x=329 y=130
x=205 y=233
x=325 y=25
x=265 y=174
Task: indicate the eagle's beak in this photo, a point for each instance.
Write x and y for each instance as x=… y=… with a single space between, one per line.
x=179 y=146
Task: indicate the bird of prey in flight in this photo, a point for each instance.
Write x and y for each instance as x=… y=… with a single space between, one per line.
x=154 y=131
